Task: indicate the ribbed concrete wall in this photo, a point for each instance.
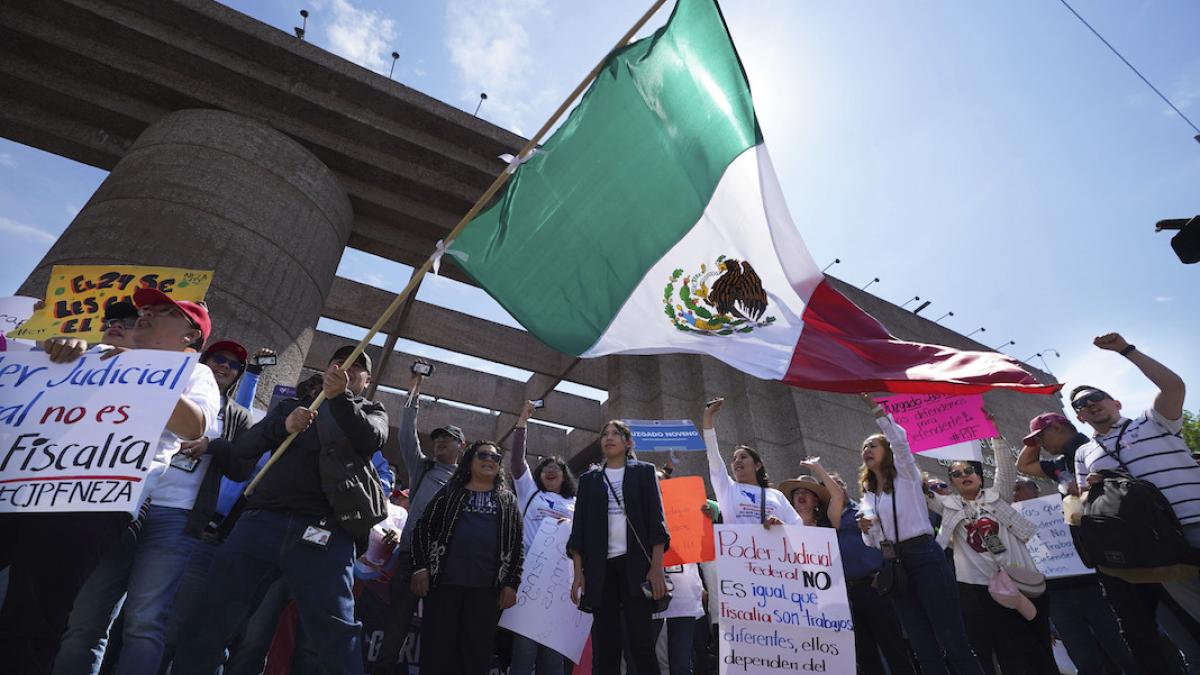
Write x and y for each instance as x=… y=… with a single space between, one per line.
x=208 y=189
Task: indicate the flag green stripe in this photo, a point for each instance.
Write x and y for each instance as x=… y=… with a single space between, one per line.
x=625 y=177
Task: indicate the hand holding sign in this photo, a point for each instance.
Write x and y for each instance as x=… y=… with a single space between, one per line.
x=938 y=420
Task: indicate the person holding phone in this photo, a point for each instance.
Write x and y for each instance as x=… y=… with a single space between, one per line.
x=895 y=519
x=617 y=542
x=545 y=494
x=743 y=492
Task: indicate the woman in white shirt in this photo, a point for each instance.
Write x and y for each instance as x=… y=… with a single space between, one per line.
x=545 y=494
x=985 y=533
x=895 y=519
x=742 y=491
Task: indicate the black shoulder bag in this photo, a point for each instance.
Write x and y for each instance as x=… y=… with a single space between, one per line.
x=661 y=604
x=892 y=579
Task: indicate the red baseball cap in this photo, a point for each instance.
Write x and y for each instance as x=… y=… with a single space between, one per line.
x=1038 y=424
x=195 y=311
x=227 y=346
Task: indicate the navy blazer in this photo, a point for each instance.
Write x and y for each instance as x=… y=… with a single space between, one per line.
x=589 y=529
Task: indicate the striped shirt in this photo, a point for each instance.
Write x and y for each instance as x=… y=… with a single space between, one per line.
x=1153 y=449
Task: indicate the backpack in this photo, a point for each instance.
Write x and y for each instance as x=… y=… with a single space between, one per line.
x=1128 y=523
x=350 y=482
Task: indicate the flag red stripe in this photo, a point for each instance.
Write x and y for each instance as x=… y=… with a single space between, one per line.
x=844 y=349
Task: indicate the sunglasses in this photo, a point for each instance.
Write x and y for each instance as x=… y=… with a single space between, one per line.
x=127 y=324
x=957 y=473
x=222 y=360
x=488 y=455
x=1083 y=401
x=943 y=486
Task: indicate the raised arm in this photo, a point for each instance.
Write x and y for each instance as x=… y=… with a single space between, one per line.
x=1171 y=389
x=1006 y=469
x=717 y=473
x=519 y=465
x=407 y=438
x=837 y=496
x=1029 y=462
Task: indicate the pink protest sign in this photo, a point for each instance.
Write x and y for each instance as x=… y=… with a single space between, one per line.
x=937 y=420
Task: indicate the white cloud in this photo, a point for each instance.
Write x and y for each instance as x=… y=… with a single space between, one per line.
x=489 y=45
x=6 y=159
x=1163 y=298
x=11 y=228
x=360 y=35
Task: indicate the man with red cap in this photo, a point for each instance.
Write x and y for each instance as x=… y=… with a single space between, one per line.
x=53 y=554
x=141 y=572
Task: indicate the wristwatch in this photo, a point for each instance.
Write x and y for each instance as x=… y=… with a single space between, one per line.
x=1127 y=350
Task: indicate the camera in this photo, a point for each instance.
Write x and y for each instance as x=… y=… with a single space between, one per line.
x=421 y=368
x=266 y=360
x=539 y=403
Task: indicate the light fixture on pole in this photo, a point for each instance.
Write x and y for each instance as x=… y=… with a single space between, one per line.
x=303 y=27
x=835 y=261
x=943 y=316
x=395 y=57
x=1010 y=342
x=923 y=306
x=913 y=299
x=876 y=279
x=482 y=98
x=981 y=329
x=1041 y=357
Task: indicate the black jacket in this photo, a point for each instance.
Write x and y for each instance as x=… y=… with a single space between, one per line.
x=435 y=531
x=237 y=421
x=589 y=529
x=293 y=484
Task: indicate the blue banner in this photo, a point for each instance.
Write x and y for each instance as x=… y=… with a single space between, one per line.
x=665 y=435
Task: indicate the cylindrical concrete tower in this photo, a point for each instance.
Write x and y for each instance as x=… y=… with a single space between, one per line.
x=212 y=190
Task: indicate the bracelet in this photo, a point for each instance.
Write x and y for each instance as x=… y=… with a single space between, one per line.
x=1127 y=350
x=877 y=409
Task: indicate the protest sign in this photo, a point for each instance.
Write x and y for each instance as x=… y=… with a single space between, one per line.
x=1052 y=549
x=78 y=295
x=279 y=393
x=81 y=436
x=782 y=600
x=544 y=612
x=14 y=311
x=665 y=435
x=691 y=531
x=938 y=420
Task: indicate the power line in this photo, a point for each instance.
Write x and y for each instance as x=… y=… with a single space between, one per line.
x=1131 y=67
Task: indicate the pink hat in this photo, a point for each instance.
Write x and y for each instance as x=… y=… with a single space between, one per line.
x=1038 y=424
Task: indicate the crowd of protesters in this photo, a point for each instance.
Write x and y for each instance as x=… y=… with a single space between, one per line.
x=207 y=577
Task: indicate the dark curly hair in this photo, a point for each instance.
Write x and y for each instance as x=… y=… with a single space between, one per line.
x=568 y=482
x=462 y=474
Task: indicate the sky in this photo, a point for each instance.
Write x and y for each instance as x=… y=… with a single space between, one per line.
x=994 y=158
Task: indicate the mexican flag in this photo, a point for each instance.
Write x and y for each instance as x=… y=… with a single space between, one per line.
x=651 y=222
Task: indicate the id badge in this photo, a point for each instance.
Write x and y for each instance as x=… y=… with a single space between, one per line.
x=182 y=461
x=316 y=536
x=993 y=544
x=888 y=548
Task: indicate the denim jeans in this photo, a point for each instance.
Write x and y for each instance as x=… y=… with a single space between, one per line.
x=681 y=634
x=1187 y=593
x=930 y=612
x=529 y=657
x=265 y=546
x=191 y=585
x=140 y=573
x=1088 y=629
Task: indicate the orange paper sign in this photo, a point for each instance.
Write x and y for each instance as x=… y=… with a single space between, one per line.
x=691 y=531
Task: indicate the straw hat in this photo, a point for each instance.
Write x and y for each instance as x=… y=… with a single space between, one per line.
x=808 y=483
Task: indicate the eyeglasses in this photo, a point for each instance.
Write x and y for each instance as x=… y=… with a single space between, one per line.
x=1083 y=401
x=222 y=360
x=488 y=455
x=968 y=471
x=127 y=324
x=943 y=486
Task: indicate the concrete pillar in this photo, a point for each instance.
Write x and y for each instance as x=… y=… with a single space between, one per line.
x=207 y=189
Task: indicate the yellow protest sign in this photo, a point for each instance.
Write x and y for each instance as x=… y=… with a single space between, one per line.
x=78 y=295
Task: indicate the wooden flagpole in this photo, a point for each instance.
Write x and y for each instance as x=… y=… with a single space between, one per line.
x=500 y=180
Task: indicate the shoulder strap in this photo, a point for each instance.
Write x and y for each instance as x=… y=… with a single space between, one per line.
x=626 y=513
x=530 y=501
x=1116 y=453
x=762 y=505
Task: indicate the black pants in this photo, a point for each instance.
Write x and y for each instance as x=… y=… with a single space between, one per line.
x=619 y=609
x=876 y=629
x=1020 y=647
x=401 y=605
x=1135 y=606
x=458 y=630
x=50 y=556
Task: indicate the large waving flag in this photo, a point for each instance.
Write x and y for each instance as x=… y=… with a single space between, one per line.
x=651 y=222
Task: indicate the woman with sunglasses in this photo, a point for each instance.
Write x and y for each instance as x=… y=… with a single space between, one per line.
x=743 y=492
x=467 y=555
x=546 y=494
x=895 y=519
x=617 y=542
x=988 y=535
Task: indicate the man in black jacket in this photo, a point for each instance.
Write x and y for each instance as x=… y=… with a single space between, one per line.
x=288 y=530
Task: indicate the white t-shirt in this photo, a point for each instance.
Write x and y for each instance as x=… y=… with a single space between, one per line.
x=973 y=564
x=741 y=503
x=617 y=545
x=911 y=508
x=687 y=600
x=171 y=486
x=541 y=505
